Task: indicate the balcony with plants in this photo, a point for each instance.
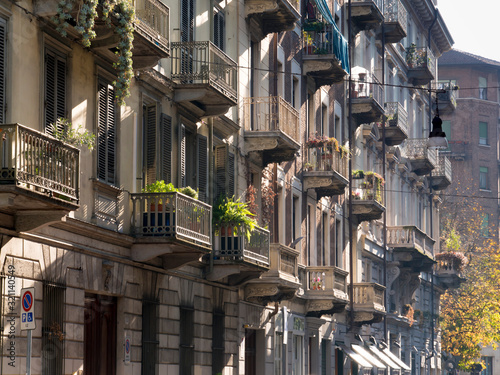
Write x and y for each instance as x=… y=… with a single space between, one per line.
x=422 y=158
x=366 y=14
x=396 y=20
x=449 y=268
x=325 y=289
x=271 y=129
x=205 y=78
x=421 y=65
x=325 y=167
x=324 y=52
x=170 y=223
x=39 y=179
x=367 y=97
x=368 y=303
x=368 y=201
x=446 y=97
x=396 y=126
x=412 y=247
x=240 y=247
x=441 y=175
x=271 y=16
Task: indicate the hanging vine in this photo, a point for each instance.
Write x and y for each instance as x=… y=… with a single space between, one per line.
x=123 y=12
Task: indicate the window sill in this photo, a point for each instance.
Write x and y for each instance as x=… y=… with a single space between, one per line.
x=483 y=145
x=485 y=190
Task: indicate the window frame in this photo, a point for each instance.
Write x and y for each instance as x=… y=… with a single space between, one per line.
x=484 y=178
x=483 y=141
x=107 y=176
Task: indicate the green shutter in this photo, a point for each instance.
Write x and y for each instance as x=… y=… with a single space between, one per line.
x=150 y=142
x=166 y=147
x=55 y=89
x=202 y=166
x=106 y=133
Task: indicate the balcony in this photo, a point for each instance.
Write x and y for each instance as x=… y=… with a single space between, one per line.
x=325 y=54
x=421 y=65
x=367 y=97
x=449 y=269
x=441 y=175
x=151 y=31
x=396 y=18
x=172 y=226
x=396 y=128
x=368 y=197
x=412 y=248
x=325 y=169
x=205 y=78
x=422 y=158
x=369 y=304
x=271 y=129
x=281 y=282
x=325 y=290
x=39 y=179
x=236 y=257
x=366 y=14
x=447 y=99
x=272 y=16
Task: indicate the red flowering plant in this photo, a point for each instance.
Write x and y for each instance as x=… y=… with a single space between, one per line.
x=317 y=140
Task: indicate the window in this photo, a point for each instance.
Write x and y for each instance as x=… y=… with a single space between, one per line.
x=106 y=133
x=446 y=126
x=99 y=335
x=157 y=144
x=483 y=88
x=483 y=178
x=187 y=20
x=338 y=245
x=325 y=350
x=485 y=225
x=295 y=92
x=193 y=160
x=186 y=341
x=295 y=217
x=149 y=339
x=224 y=171
x=3 y=32
x=488 y=362
x=278 y=353
x=218 y=342
x=297 y=355
x=55 y=88
x=483 y=133
x=219 y=27
x=53 y=329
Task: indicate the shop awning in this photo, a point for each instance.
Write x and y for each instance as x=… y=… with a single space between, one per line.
x=368 y=356
x=356 y=357
x=395 y=359
x=384 y=357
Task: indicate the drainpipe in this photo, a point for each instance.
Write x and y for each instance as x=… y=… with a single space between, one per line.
x=384 y=228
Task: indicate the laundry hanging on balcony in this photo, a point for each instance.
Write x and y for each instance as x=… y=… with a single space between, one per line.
x=340 y=45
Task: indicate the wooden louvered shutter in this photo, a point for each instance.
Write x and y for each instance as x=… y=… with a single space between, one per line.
x=150 y=137
x=224 y=172
x=219 y=27
x=3 y=30
x=187 y=20
x=182 y=155
x=55 y=89
x=166 y=147
x=202 y=166
x=106 y=134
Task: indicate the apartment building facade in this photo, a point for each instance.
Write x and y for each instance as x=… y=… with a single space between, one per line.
x=316 y=113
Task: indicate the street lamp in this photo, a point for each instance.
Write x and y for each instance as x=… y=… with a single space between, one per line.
x=437 y=137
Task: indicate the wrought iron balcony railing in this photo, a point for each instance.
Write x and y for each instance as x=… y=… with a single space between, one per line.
x=271 y=113
x=378 y=3
x=368 y=86
x=369 y=188
x=422 y=158
x=153 y=17
x=326 y=158
x=232 y=245
x=394 y=11
x=397 y=116
x=172 y=215
x=39 y=162
x=195 y=63
x=443 y=168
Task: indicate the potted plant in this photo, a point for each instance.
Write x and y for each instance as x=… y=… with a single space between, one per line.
x=63 y=130
x=308 y=43
x=358 y=174
x=308 y=166
x=228 y=212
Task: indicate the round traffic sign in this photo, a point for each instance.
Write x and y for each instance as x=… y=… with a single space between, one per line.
x=127 y=346
x=27 y=301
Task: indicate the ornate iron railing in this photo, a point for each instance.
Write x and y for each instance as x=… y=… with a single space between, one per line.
x=153 y=21
x=271 y=113
x=204 y=63
x=378 y=3
x=368 y=86
x=39 y=162
x=443 y=167
x=397 y=116
x=369 y=295
x=394 y=11
x=172 y=215
x=231 y=244
x=326 y=158
x=369 y=188
x=421 y=57
x=417 y=148
x=327 y=278
x=410 y=237
x=450 y=95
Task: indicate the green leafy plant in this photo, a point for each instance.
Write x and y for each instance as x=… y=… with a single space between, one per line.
x=228 y=211
x=358 y=173
x=65 y=132
x=123 y=11
x=159 y=187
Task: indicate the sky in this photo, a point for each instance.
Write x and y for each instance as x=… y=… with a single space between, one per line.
x=473 y=25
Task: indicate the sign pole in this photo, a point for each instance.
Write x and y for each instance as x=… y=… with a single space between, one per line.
x=28 y=354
